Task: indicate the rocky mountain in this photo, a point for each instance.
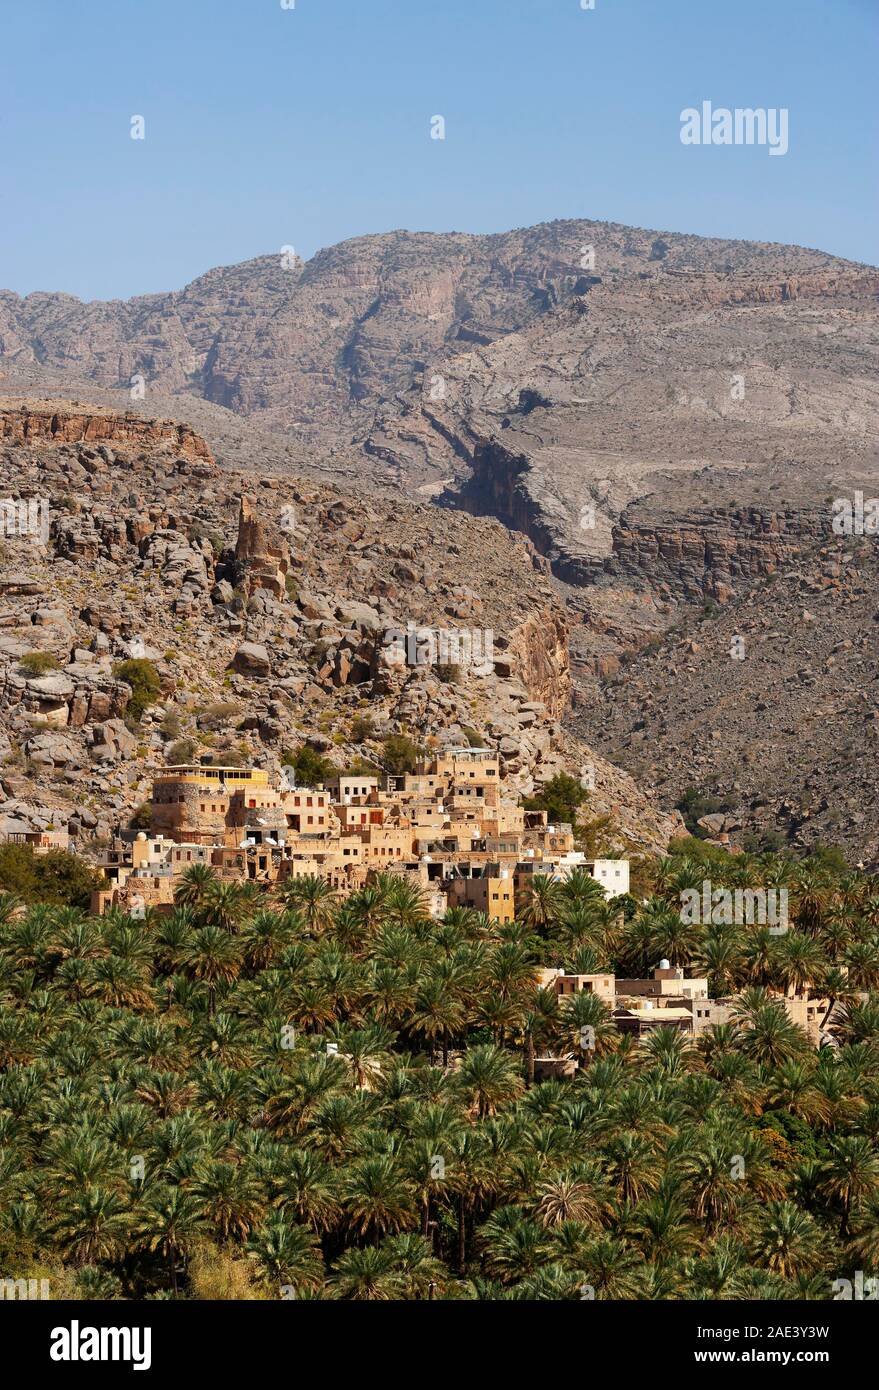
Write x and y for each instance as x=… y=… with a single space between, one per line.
x=768 y=705
x=270 y=610
x=551 y=376
x=314 y=348
x=662 y=422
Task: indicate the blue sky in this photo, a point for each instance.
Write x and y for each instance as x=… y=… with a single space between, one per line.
x=268 y=127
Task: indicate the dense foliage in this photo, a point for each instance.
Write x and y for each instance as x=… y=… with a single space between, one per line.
x=55 y=877
x=310 y=768
x=263 y=1096
x=561 y=797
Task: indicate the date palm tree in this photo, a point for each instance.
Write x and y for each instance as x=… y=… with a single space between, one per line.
x=168 y=1224
x=786 y=1240
x=850 y=1175
x=586 y=1026
x=230 y=1198
x=438 y=1013
x=194 y=886
x=404 y=902
x=711 y=1180
x=610 y=1269
x=544 y=903
x=213 y=957
x=371 y=1274
x=378 y=1198
x=633 y=1166
x=862 y=964
x=799 y=962
x=226 y=904
x=307 y=1189
x=313 y=898
x=92 y=1225
x=488 y=1079
x=769 y=1036
x=288 y=1256
x=515 y=1246
x=540 y=1025
x=792 y=1087
x=865 y=1233
x=664 y=1228
x=575 y=1194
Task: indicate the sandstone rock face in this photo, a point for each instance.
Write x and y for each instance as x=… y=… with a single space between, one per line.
x=538 y=651
x=112 y=741
x=711 y=552
x=263 y=559
x=67 y=422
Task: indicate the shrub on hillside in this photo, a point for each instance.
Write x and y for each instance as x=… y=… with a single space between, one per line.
x=181 y=751
x=38 y=663
x=400 y=754
x=696 y=803
x=362 y=728
x=146 y=687
x=561 y=798
x=310 y=768
x=219 y=714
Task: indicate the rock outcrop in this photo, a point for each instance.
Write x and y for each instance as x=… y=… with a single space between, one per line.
x=263 y=560
x=68 y=422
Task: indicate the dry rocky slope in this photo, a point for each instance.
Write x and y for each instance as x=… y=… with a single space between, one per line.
x=265 y=606
x=665 y=418
x=771 y=705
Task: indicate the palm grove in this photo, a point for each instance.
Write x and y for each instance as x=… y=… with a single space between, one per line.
x=287 y=1095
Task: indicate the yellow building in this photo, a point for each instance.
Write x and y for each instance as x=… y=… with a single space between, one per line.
x=490 y=892
x=203 y=804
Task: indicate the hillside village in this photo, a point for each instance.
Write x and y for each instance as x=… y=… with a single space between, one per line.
x=446 y=827
x=447 y=830
x=269 y=611
x=260 y=636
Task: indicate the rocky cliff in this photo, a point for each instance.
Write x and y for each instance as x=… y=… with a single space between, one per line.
x=266 y=610
x=67 y=422
x=769 y=704
x=711 y=553
x=315 y=348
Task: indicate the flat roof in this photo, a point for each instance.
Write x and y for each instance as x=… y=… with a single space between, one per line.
x=211 y=767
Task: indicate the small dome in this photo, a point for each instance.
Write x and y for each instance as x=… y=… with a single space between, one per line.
x=141 y=835
x=664 y=965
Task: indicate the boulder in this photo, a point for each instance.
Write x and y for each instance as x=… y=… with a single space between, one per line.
x=251 y=659
x=50 y=750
